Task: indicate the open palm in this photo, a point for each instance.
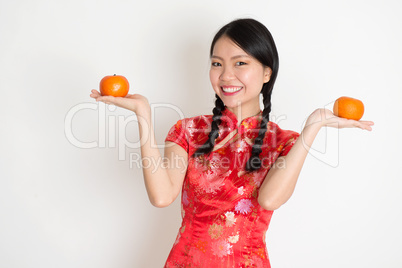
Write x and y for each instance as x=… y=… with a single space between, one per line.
x=133 y=102
x=327 y=118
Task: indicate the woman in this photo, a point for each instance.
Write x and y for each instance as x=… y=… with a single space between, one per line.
x=236 y=167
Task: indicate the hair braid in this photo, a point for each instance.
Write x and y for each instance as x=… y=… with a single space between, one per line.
x=208 y=146
x=254 y=162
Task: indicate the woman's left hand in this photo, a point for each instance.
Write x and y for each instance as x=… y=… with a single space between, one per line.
x=325 y=117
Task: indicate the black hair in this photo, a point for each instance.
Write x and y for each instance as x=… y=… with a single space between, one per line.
x=256 y=40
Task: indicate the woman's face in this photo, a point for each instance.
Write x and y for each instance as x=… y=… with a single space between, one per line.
x=237 y=77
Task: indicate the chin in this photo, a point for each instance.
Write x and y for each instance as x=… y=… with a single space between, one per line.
x=231 y=103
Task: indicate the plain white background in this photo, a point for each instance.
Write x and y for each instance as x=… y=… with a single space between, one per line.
x=64 y=206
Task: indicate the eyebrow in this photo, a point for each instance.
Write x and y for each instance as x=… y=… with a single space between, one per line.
x=232 y=58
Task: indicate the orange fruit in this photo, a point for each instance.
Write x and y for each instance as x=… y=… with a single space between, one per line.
x=349 y=108
x=114 y=85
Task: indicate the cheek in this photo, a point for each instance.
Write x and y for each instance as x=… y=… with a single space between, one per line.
x=214 y=81
x=252 y=78
x=244 y=77
x=213 y=77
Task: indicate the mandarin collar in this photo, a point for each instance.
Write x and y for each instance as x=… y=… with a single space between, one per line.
x=229 y=120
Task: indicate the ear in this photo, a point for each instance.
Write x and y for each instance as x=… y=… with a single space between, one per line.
x=267 y=74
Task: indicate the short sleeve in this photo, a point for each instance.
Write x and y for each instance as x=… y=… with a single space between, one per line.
x=288 y=142
x=178 y=134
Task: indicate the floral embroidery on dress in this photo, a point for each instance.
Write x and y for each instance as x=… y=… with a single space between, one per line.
x=201 y=245
x=244 y=206
x=230 y=219
x=215 y=231
x=208 y=179
x=185 y=198
x=221 y=248
x=233 y=239
x=257 y=180
x=240 y=190
x=280 y=148
x=209 y=184
x=183 y=211
x=260 y=252
x=241 y=146
x=223 y=224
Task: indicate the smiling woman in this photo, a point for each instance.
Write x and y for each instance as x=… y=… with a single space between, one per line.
x=240 y=166
x=245 y=64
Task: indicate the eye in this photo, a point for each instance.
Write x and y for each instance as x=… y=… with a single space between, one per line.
x=216 y=64
x=240 y=63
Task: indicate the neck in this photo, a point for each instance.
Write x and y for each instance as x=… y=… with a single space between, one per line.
x=243 y=112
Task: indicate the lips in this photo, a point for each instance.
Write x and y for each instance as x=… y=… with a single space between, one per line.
x=230 y=90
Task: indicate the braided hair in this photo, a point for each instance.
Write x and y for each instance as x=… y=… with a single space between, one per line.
x=207 y=147
x=256 y=40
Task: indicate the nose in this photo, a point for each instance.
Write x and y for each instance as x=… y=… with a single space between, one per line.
x=227 y=74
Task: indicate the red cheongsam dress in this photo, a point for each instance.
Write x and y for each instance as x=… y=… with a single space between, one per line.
x=223 y=225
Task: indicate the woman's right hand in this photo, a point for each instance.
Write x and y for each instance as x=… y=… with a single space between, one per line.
x=133 y=102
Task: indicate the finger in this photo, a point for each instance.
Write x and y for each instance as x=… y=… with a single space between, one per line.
x=370 y=123
x=133 y=96
x=366 y=125
x=106 y=99
x=368 y=128
x=118 y=101
x=94 y=93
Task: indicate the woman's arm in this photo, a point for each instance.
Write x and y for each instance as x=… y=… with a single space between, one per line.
x=162 y=181
x=280 y=181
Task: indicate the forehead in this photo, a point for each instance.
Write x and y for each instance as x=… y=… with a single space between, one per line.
x=226 y=47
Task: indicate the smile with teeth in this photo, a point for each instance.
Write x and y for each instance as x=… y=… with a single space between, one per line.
x=231 y=89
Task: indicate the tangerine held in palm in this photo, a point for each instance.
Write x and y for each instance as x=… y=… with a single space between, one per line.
x=349 y=108
x=114 y=85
